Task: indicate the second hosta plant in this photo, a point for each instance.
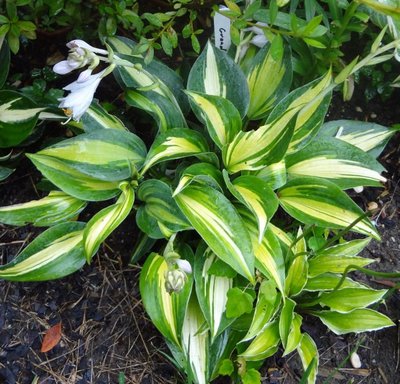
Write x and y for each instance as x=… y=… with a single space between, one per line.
x=230 y=285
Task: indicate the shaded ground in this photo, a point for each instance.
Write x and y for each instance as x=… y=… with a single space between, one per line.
x=107 y=337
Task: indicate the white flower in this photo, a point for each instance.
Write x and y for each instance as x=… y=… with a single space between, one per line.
x=184 y=265
x=73 y=44
x=81 y=95
x=259 y=39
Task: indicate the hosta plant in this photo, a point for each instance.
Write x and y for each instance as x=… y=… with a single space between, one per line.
x=230 y=285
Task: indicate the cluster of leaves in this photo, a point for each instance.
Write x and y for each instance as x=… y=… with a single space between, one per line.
x=211 y=189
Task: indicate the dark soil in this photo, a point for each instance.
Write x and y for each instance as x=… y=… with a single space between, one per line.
x=106 y=336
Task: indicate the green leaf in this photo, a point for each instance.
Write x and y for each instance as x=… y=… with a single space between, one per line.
x=5 y=172
x=55 y=208
x=269 y=78
x=369 y=137
x=211 y=291
x=104 y=154
x=238 y=303
x=53 y=254
x=329 y=281
x=176 y=143
x=18 y=117
x=96 y=117
x=148 y=224
x=294 y=336
x=215 y=73
x=103 y=223
x=72 y=182
x=222 y=119
x=4 y=62
x=226 y=367
x=160 y=205
x=309 y=357
x=268 y=303
x=346 y=299
x=257 y=196
x=320 y=202
x=335 y=160
x=167 y=311
x=216 y=220
x=274 y=175
x=264 y=345
x=358 y=320
x=252 y=376
x=286 y=320
x=308 y=105
x=268 y=253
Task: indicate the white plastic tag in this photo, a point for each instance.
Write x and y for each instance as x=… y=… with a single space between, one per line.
x=222 y=30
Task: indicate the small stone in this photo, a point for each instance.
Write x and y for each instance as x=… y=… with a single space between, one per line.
x=359 y=109
x=355 y=360
x=373 y=115
x=372 y=206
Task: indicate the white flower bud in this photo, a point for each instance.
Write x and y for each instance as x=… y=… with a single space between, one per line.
x=175 y=280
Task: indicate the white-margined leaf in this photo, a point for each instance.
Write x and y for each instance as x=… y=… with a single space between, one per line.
x=53 y=254
x=268 y=254
x=167 y=311
x=211 y=291
x=275 y=175
x=335 y=160
x=105 y=154
x=346 y=299
x=295 y=335
x=269 y=77
x=220 y=116
x=215 y=73
x=103 y=223
x=50 y=210
x=257 y=196
x=309 y=356
x=265 y=344
x=320 y=202
x=329 y=281
x=176 y=143
x=358 y=320
x=286 y=320
x=369 y=137
x=214 y=217
x=18 y=117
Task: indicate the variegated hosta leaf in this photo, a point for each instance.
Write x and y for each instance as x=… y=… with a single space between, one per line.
x=358 y=320
x=161 y=109
x=104 y=154
x=337 y=258
x=317 y=201
x=286 y=320
x=275 y=175
x=269 y=77
x=253 y=150
x=211 y=291
x=160 y=205
x=55 y=208
x=257 y=196
x=308 y=105
x=73 y=182
x=335 y=160
x=297 y=275
x=96 y=117
x=220 y=116
x=369 y=137
x=346 y=299
x=176 y=143
x=155 y=85
x=195 y=343
x=268 y=303
x=103 y=223
x=329 y=281
x=265 y=344
x=201 y=173
x=216 y=220
x=268 y=253
x=53 y=254
x=309 y=356
x=18 y=118
x=166 y=311
x=215 y=73
x=295 y=335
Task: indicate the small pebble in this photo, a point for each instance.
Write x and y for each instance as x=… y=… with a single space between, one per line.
x=355 y=360
x=359 y=109
x=372 y=205
x=373 y=115
x=358 y=189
